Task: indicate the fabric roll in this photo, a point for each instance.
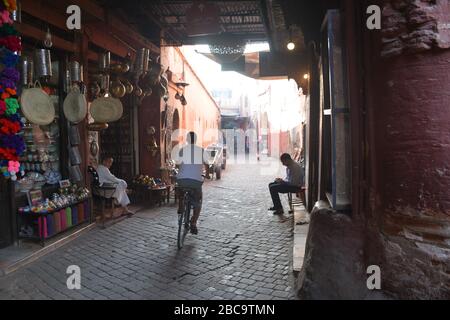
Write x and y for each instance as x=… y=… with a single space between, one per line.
x=57 y=218
x=40 y=219
x=74 y=215
x=56 y=222
x=50 y=224
x=45 y=228
x=61 y=225
x=63 y=220
x=68 y=217
x=80 y=212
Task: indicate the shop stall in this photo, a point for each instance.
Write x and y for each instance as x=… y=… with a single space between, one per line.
x=67 y=99
x=50 y=195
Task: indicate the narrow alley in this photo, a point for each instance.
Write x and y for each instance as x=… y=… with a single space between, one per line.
x=242 y=251
x=111 y=112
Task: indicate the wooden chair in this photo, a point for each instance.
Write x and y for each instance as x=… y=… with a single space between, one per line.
x=103 y=195
x=300 y=194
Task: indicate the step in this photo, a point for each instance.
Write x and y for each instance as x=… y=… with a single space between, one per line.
x=301 y=227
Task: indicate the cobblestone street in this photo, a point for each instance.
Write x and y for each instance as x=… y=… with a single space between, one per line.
x=242 y=251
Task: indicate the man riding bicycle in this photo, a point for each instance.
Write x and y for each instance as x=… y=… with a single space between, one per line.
x=190 y=176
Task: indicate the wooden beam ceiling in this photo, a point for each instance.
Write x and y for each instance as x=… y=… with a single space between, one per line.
x=102 y=28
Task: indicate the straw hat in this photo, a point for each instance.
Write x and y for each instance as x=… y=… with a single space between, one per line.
x=75 y=106
x=37 y=106
x=106 y=109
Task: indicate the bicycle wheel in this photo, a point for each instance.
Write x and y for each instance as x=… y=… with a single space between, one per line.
x=183 y=222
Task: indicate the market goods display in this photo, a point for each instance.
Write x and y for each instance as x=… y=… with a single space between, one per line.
x=61 y=211
x=75 y=106
x=11 y=140
x=106 y=109
x=147 y=181
x=65 y=198
x=37 y=106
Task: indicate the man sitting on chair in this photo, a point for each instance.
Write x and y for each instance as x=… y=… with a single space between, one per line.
x=291 y=184
x=105 y=177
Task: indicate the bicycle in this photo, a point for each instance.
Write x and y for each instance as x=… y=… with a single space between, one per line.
x=184 y=219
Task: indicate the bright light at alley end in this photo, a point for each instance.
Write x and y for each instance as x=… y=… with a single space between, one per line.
x=291 y=46
x=306 y=76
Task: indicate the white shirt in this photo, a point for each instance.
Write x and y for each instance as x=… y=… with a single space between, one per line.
x=105 y=176
x=191 y=160
x=294 y=174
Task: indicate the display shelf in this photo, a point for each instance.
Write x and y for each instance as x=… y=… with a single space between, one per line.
x=42 y=225
x=56 y=210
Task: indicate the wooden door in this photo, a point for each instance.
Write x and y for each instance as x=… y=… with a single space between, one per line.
x=117 y=142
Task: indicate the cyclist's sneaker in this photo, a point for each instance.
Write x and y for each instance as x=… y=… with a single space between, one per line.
x=194 y=229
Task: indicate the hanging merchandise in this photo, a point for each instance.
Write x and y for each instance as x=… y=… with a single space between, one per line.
x=75 y=105
x=74 y=135
x=141 y=63
x=27 y=71
x=37 y=106
x=104 y=62
x=11 y=139
x=43 y=63
x=75 y=71
x=74 y=155
x=106 y=109
x=75 y=173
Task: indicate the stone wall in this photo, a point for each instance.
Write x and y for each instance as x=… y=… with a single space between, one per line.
x=412 y=143
x=408 y=223
x=412 y=26
x=404 y=214
x=334 y=265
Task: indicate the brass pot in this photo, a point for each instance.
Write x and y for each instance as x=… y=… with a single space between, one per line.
x=128 y=86
x=116 y=68
x=138 y=91
x=118 y=90
x=125 y=67
x=148 y=92
x=155 y=72
x=120 y=68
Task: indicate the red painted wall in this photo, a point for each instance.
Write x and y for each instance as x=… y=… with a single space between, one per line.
x=409 y=198
x=201 y=112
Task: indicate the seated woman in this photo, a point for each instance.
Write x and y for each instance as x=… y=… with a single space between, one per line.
x=106 y=177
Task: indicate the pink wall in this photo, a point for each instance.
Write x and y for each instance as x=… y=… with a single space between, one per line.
x=201 y=112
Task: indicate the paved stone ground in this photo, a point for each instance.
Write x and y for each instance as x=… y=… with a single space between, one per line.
x=242 y=251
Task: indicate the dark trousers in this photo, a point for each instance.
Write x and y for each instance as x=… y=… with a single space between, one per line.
x=275 y=188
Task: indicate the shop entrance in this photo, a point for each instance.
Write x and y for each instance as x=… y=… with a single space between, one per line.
x=117 y=141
